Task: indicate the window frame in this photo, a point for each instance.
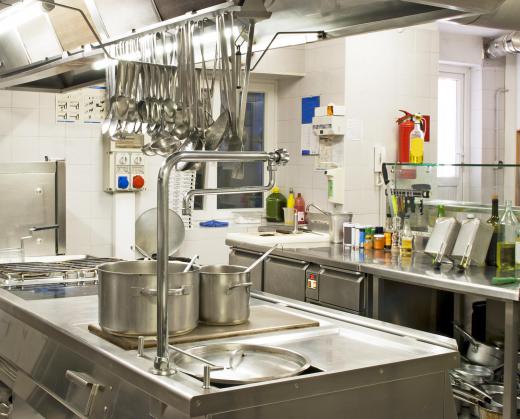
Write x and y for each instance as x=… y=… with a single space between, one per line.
x=210 y=210
x=462 y=74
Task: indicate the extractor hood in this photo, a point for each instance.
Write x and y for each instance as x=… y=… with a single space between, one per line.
x=44 y=48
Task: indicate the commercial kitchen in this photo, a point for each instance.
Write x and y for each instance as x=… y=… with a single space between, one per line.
x=259 y=209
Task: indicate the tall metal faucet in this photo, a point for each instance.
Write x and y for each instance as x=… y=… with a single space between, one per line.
x=276 y=158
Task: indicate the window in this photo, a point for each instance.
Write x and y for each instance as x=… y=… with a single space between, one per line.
x=450 y=145
x=258 y=136
x=453 y=131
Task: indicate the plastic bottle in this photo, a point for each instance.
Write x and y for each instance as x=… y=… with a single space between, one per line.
x=506 y=242
x=417 y=141
x=299 y=207
x=274 y=204
x=494 y=221
x=290 y=199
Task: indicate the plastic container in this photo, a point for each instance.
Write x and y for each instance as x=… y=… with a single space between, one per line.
x=288 y=216
x=299 y=207
x=274 y=204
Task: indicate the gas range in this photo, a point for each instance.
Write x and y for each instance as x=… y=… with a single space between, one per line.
x=83 y=268
x=52 y=277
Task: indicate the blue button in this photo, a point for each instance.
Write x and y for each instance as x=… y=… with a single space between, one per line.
x=123 y=182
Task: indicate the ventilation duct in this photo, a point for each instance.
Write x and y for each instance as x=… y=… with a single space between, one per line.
x=503 y=45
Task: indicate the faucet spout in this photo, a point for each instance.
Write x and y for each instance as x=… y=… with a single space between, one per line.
x=276 y=158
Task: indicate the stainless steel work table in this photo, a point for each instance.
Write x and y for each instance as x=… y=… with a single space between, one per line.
x=419 y=271
x=352 y=351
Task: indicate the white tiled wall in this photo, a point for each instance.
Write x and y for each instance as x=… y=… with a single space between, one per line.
x=28 y=133
x=374 y=75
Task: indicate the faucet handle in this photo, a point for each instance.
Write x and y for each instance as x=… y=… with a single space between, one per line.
x=281 y=156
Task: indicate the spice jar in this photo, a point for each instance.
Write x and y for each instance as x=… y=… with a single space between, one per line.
x=379 y=241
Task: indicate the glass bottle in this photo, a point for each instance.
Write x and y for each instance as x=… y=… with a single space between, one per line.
x=441 y=211
x=417 y=141
x=517 y=249
x=406 y=238
x=494 y=221
x=506 y=242
x=388 y=233
x=396 y=234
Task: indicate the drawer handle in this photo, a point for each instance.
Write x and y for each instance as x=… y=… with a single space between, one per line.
x=288 y=261
x=84 y=380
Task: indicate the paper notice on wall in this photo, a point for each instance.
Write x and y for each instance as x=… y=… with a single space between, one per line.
x=85 y=105
x=309 y=141
x=355 y=129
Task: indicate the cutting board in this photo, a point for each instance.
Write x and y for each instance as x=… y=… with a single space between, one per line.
x=263 y=319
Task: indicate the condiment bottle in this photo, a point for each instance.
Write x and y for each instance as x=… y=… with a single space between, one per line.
x=290 y=199
x=507 y=238
x=388 y=233
x=274 y=204
x=299 y=208
x=369 y=237
x=493 y=221
x=406 y=238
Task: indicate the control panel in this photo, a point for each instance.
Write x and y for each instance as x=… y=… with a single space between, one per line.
x=124 y=164
x=312 y=278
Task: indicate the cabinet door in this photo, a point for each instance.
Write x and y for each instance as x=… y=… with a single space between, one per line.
x=341 y=288
x=245 y=258
x=285 y=277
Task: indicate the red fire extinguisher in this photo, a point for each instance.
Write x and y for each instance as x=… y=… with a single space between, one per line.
x=405 y=128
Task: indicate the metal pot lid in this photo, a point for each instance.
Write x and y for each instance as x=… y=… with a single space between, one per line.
x=243 y=363
x=146 y=232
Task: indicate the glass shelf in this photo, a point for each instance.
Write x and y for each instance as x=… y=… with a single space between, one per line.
x=460 y=188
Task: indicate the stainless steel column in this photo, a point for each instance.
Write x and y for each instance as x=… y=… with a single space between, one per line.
x=510 y=358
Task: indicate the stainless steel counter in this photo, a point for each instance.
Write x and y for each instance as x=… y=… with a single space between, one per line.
x=356 y=359
x=418 y=271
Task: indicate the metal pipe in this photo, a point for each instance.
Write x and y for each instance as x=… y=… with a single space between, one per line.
x=279 y=157
x=498 y=92
x=186 y=201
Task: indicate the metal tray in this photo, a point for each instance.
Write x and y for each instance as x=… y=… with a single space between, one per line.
x=243 y=363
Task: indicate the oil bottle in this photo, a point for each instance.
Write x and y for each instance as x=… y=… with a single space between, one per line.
x=507 y=239
x=406 y=238
x=417 y=141
x=493 y=221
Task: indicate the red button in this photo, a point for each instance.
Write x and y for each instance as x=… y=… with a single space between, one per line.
x=138 y=182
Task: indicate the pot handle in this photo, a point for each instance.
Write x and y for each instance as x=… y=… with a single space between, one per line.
x=466 y=334
x=240 y=285
x=184 y=290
